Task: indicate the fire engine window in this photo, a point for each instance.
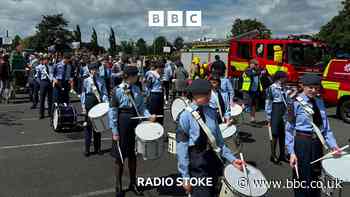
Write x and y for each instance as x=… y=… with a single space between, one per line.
x=260 y=50
x=270 y=51
x=243 y=51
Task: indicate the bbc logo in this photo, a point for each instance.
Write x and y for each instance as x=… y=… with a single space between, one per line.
x=175 y=19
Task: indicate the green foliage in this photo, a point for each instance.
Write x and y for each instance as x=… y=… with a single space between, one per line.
x=16 y=41
x=243 y=26
x=94 y=41
x=336 y=33
x=77 y=34
x=179 y=43
x=158 y=45
x=112 y=43
x=141 y=47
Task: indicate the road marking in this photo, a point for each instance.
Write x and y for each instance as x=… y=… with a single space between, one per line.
x=96 y=193
x=45 y=144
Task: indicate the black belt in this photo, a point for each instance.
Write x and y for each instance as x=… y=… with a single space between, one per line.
x=156 y=92
x=306 y=135
x=127 y=110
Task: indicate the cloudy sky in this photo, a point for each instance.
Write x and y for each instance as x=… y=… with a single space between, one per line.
x=129 y=18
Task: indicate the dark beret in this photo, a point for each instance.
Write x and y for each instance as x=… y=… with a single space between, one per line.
x=310 y=79
x=131 y=70
x=199 y=86
x=215 y=76
x=280 y=74
x=93 y=66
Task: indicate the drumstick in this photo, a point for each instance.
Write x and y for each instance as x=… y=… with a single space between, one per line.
x=329 y=154
x=120 y=153
x=245 y=173
x=144 y=117
x=270 y=132
x=296 y=170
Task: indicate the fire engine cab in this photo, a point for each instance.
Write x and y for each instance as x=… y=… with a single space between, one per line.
x=336 y=87
x=293 y=55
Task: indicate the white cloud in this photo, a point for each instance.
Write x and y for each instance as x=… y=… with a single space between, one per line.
x=128 y=17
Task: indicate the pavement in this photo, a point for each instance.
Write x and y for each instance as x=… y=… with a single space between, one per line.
x=35 y=161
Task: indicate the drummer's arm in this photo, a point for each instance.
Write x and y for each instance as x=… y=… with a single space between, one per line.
x=227 y=113
x=104 y=93
x=113 y=114
x=182 y=145
x=268 y=104
x=328 y=133
x=290 y=127
x=82 y=97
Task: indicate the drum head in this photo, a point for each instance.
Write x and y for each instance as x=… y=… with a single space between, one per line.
x=237 y=181
x=55 y=119
x=227 y=131
x=98 y=110
x=236 y=109
x=337 y=167
x=177 y=107
x=149 y=131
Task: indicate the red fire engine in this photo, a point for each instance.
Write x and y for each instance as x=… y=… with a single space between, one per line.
x=292 y=55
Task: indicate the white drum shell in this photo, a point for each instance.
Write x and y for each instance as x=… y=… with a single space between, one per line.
x=149 y=148
x=100 y=122
x=172 y=143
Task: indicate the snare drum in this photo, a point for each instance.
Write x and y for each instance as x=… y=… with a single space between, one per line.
x=98 y=116
x=63 y=117
x=236 y=109
x=333 y=169
x=234 y=183
x=149 y=136
x=178 y=106
x=227 y=131
x=172 y=143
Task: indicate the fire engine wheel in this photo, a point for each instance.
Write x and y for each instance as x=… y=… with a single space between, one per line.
x=344 y=111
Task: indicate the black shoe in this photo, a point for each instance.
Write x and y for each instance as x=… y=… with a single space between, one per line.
x=274 y=160
x=87 y=153
x=283 y=159
x=41 y=117
x=134 y=188
x=33 y=107
x=120 y=194
x=100 y=152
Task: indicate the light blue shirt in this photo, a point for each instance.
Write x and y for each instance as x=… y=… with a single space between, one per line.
x=226 y=87
x=58 y=71
x=168 y=72
x=121 y=100
x=153 y=82
x=104 y=72
x=191 y=128
x=298 y=119
x=43 y=74
x=84 y=71
x=274 y=94
x=214 y=103
x=88 y=88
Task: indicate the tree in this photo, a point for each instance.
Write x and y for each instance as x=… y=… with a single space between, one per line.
x=243 y=26
x=112 y=43
x=179 y=43
x=52 y=31
x=94 y=41
x=127 y=46
x=336 y=33
x=141 y=47
x=77 y=34
x=158 y=44
x=16 y=41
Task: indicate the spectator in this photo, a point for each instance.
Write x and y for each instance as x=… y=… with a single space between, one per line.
x=180 y=76
x=218 y=66
x=4 y=76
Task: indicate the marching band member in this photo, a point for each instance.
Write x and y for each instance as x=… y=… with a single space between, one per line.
x=219 y=99
x=275 y=108
x=226 y=87
x=196 y=158
x=62 y=80
x=155 y=91
x=44 y=75
x=94 y=92
x=306 y=128
x=127 y=101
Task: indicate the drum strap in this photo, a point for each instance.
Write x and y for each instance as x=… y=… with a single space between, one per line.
x=206 y=130
x=128 y=92
x=310 y=112
x=95 y=89
x=218 y=104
